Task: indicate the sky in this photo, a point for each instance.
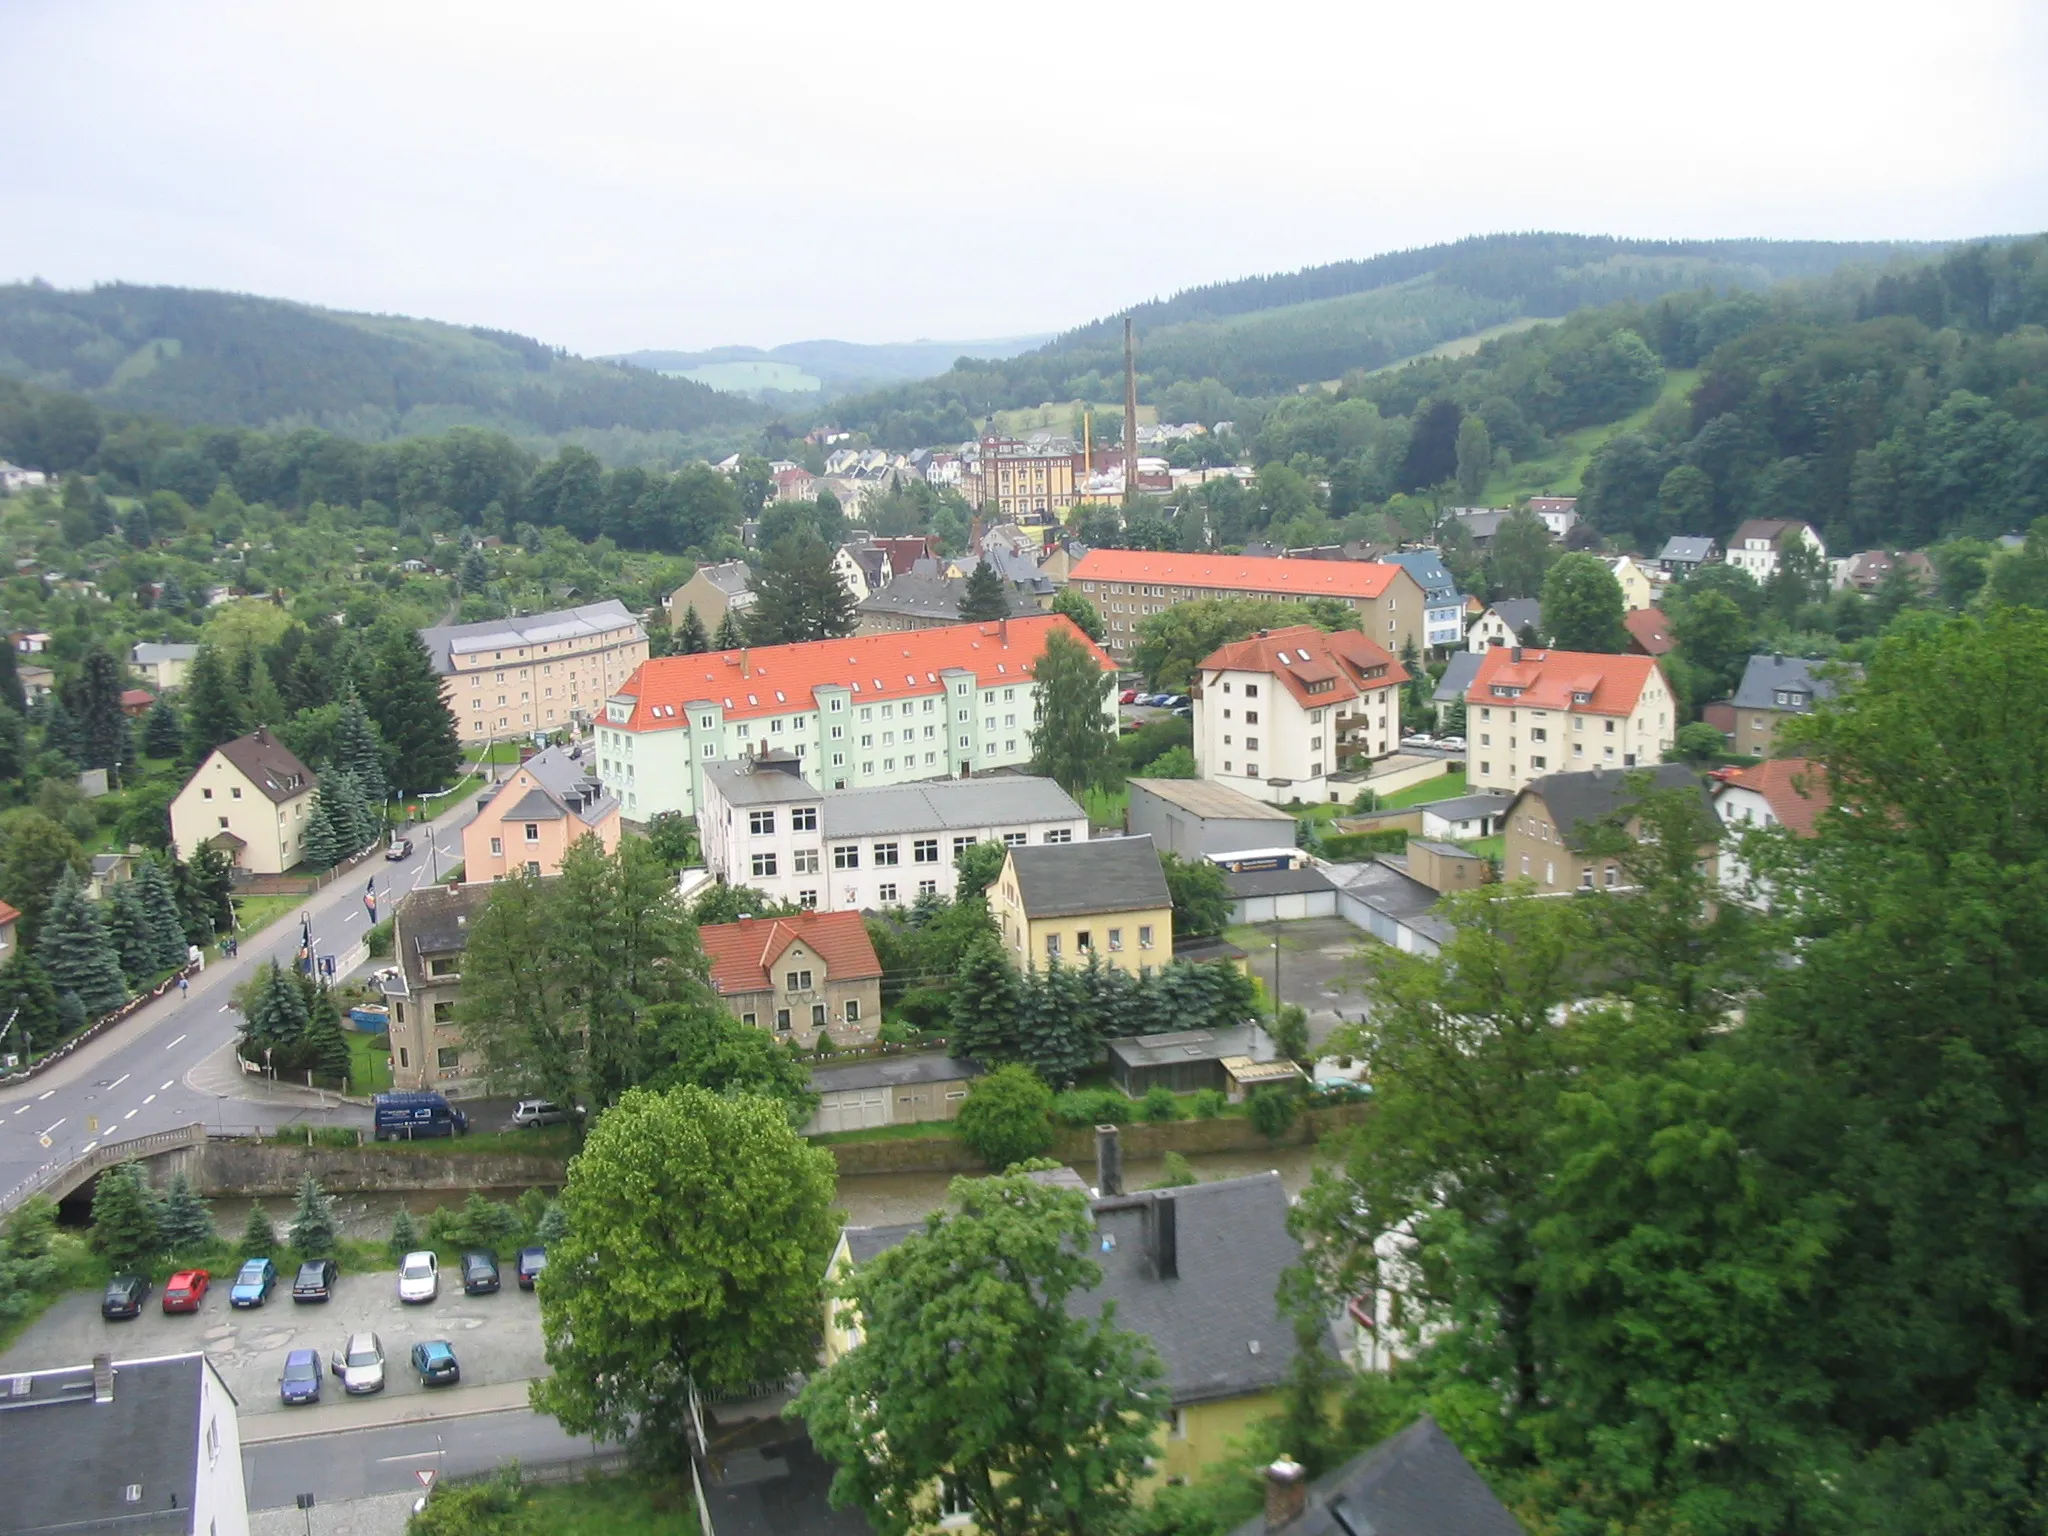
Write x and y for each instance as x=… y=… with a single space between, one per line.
x=620 y=174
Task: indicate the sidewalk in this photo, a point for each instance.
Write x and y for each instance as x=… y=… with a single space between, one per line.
x=381 y=1413
x=221 y=1076
x=383 y=1514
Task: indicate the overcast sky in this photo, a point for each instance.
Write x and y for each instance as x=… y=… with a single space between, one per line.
x=609 y=175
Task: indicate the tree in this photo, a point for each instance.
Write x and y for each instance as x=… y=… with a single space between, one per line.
x=1685 y=500
x=12 y=695
x=710 y=1049
x=404 y=699
x=978 y=864
x=729 y=636
x=128 y=928
x=1173 y=763
x=126 y=1226
x=76 y=950
x=1007 y=1117
x=690 y=637
x=985 y=993
x=187 y=1224
x=1475 y=456
x=204 y=886
x=405 y=1235
x=1519 y=556
x=1075 y=605
x=474 y=575
x=985 y=599
x=1201 y=899
x=1713 y=638
x=95 y=699
x=162 y=735
x=313 y=1230
x=673 y=837
x=799 y=596
x=359 y=750
x=726 y=1298
x=1699 y=743
x=213 y=705
x=1071 y=741
x=29 y=1001
x=1801 y=577
x=290 y=1023
x=981 y=1367
x=1583 y=606
x=259 y=1237
x=1171 y=644
x=36 y=853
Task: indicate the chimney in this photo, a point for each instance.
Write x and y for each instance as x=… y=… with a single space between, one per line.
x=1286 y=1493
x=1003 y=628
x=103 y=1378
x=1515 y=654
x=1109 y=1161
x=745 y=669
x=1166 y=1237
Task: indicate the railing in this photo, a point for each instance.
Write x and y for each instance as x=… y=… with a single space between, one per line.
x=105 y=1155
x=100 y=1026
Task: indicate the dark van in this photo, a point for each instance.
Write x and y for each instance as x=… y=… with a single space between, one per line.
x=406 y=1116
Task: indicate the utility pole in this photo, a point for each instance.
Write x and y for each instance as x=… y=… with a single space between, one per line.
x=1130 y=416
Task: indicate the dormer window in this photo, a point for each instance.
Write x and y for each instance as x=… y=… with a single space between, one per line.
x=1582 y=698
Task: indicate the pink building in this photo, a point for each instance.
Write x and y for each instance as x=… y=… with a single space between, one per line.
x=528 y=823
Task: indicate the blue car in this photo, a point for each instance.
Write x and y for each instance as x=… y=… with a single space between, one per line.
x=252 y=1285
x=434 y=1361
x=300 y=1382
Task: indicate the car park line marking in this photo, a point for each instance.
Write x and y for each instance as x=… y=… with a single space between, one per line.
x=47 y=1131
x=177 y=1042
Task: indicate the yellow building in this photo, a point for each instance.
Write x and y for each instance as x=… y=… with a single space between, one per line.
x=1638 y=590
x=1059 y=903
x=1018 y=479
x=250 y=799
x=541 y=672
x=1196 y=1270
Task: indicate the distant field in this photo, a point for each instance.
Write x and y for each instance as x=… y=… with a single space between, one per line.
x=1058 y=416
x=1560 y=471
x=1457 y=346
x=745 y=377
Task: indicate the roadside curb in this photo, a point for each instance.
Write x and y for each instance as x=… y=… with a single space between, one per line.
x=388 y=1421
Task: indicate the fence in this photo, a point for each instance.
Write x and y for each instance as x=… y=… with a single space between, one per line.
x=300 y=885
x=99 y=1027
x=70 y=1174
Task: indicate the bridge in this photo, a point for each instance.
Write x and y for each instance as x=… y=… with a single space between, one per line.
x=55 y=1180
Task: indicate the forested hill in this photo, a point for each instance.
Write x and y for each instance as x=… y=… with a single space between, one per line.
x=225 y=359
x=1266 y=335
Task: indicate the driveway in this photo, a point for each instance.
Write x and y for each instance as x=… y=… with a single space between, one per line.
x=1320 y=969
x=497 y=1338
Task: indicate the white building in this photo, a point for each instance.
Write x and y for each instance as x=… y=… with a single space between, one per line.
x=1505 y=623
x=14 y=478
x=1530 y=713
x=1276 y=716
x=1558 y=514
x=887 y=708
x=763 y=826
x=1756 y=543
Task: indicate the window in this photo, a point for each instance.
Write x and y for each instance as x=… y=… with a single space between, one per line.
x=847 y=857
x=886 y=891
x=497 y=846
x=236 y=792
x=1052 y=946
x=533 y=868
x=764 y=864
x=1084 y=941
x=782 y=1020
x=885 y=854
x=761 y=823
x=1015 y=839
x=444 y=1012
x=1251 y=743
x=927 y=887
x=448 y=1057
x=1251 y=717
x=206 y=794
x=1059 y=834
x=853 y=1010
x=1613 y=876
x=1586 y=878
x=1144 y=935
x=1251 y=770
x=925 y=850
x=804 y=819
x=1116 y=939
x=804 y=862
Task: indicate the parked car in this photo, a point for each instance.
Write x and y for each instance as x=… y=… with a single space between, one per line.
x=408 y=1116
x=1184 y=712
x=479 y=1274
x=531 y=1262
x=530 y=1112
x=252 y=1284
x=1418 y=741
x=401 y=848
x=185 y=1290
x=316 y=1280
x=434 y=1360
x=1178 y=701
x=1128 y=696
x=419 y=1277
x=300 y=1382
x=1452 y=743
x=125 y=1296
x=360 y=1364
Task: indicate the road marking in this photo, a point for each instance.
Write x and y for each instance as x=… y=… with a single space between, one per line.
x=415 y=1456
x=132 y=1114
x=48 y=1129
x=24 y=1109
x=175 y=1043
x=160 y=1087
x=44 y=1094
x=117 y=1082
x=352 y=917
x=224 y=1007
x=89 y=1146
x=150 y=1100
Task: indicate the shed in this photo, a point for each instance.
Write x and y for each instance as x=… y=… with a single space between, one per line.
x=889 y=1090
x=1279 y=895
x=1187 y=1061
x=1193 y=817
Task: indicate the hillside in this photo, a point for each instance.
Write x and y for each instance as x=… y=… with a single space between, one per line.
x=225 y=359
x=1267 y=335
x=828 y=366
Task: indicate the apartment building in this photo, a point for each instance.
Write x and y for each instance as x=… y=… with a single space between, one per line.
x=714 y=591
x=1128 y=585
x=799 y=977
x=1757 y=542
x=543 y=672
x=250 y=799
x=1443 y=615
x=1548 y=827
x=546 y=804
x=1276 y=716
x=866 y=710
x=430 y=935
x=1018 y=478
x=1533 y=712
x=763 y=825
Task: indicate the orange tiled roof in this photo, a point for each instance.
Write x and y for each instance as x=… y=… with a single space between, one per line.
x=1553 y=679
x=742 y=953
x=1795 y=788
x=1650 y=630
x=1302 y=654
x=1248 y=573
x=8 y=915
x=779 y=679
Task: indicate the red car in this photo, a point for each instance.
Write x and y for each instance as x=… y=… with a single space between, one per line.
x=185 y=1290
x=1128 y=696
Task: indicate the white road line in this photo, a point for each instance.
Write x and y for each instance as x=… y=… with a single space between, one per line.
x=160 y=1087
x=352 y=917
x=131 y=1114
x=415 y=1456
x=224 y=1007
x=150 y=1100
x=48 y=1129
x=89 y=1146
x=177 y=1042
x=24 y=1109
x=117 y=1082
x=44 y=1094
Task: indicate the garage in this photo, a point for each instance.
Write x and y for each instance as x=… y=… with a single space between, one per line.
x=889 y=1090
x=850 y=1109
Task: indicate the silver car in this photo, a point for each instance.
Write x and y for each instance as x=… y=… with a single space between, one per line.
x=360 y=1364
x=419 y=1276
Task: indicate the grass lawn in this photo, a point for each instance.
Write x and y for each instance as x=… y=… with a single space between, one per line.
x=537 y=1141
x=914 y=1132
x=1561 y=471
x=1321 y=811
x=259 y=912
x=1449 y=787
x=368 y=1068
x=631 y=1504
x=1495 y=847
x=1106 y=807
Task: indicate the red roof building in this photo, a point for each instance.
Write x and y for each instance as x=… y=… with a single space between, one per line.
x=1531 y=712
x=1782 y=791
x=1649 y=631
x=800 y=976
x=136 y=702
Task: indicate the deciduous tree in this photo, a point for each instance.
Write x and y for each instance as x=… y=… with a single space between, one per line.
x=1071 y=741
x=1583 y=605
x=1007 y=1117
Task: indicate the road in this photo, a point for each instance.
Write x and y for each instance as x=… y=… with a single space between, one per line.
x=133 y=1079
x=357 y=1463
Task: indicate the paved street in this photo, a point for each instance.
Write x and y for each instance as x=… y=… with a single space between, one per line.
x=1320 y=968
x=133 y=1079
x=354 y=1464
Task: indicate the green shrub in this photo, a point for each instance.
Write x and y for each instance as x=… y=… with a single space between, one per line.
x=476 y=1223
x=379 y=938
x=1159 y=1105
x=926 y=1008
x=1272 y=1110
x=1091 y=1106
x=259 y=1237
x=405 y=1234
x=1007 y=1117
x=1290 y=1031
x=1175 y=1172
x=1209 y=1103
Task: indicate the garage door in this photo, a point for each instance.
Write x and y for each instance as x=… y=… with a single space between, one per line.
x=852 y=1110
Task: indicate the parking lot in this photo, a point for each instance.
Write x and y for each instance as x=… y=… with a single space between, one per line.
x=496 y=1338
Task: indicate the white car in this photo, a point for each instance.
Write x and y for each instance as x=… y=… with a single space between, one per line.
x=360 y=1364
x=1418 y=741
x=419 y=1277
x=1452 y=743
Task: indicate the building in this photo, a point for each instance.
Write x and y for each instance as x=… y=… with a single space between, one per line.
x=15 y=479
x=36 y=682
x=1788 y=792
x=1057 y=904
x=1232 y=1061
x=889 y=1090
x=430 y=933
x=714 y=591
x=1197 y=817
x=799 y=977
x=1684 y=553
x=543 y=672
x=1531 y=712
x=1558 y=514
x=1126 y=585
x=918 y=601
x=1549 y=823
x=1278 y=893
x=795 y=483
x=1279 y=715
x=164 y=666
x=151 y=1446
x=1465 y=818
x=1638 y=587
x=108 y=870
x=136 y=702
x=1459 y=671
x=1019 y=478
x=1443 y=606
x=867 y=710
x=250 y=799
x=10 y=930
x=1385 y=897
x=527 y=823
x=1416 y=1483
x=1482 y=523
x=1772 y=691
x=1511 y=621
x=1649 y=632
x=762 y=825
x=1756 y=544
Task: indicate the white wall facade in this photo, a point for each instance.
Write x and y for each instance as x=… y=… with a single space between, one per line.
x=1253 y=735
x=1759 y=557
x=1509 y=746
x=219 y=1504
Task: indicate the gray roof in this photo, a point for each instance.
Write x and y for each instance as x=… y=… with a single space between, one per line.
x=1275 y=882
x=1427 y=567
x=1467 y=807
x=1194 y=1045
x=917 y=596
x=1480 y=522
x=1520 y=613
x=435 y=920
x=446 y=640
x=147 y=653
x=940 y=805
x=1391 y=891
x=1110 y=874
x=1211 y=801
x=270 y=765
x=537 y=805
x=740 y=783
x=565 y=786
x=731 y=577
x=1765 y=676
x=1457 y=678
x=863 y=1243
x=86 y=1454
x=1415 y=1484
x=1686 y=550
x=893 y=1072
x=1574 y=799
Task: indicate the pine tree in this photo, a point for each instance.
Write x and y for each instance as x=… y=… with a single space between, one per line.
x=162 y=734
x=60 y=730
x=126 y=1224
x=12 y=695
x=276 y=1020
x=985 y=1005
x=160 y=906
x=985 y=600
x=404 y=699
x=213 y=706
x=13 y=742
x=1071 y=742
x=77 y=951
x=313 y=1231
x=324 y=1047
x=799 y=595
x=204 y=886
x=359 y=749
x=691 y=639
x=729 y=637
x=321 y=843
x=475 y=575
x=186 y=1222
x=27 y=998
x=405 y=1234
x=259 y=1237
x=129 y=929
x=95 y=701
x=172 y=598
x=554 y=1225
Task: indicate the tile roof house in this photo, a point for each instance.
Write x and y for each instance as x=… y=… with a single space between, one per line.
x=1443 y=604
x=250 y=798
x=714 y=591
x=534 y=672
x=1867 y=571
x=1511 y=621
x=136 y=702
x=1756 y=544
x=1685 y=553
x=527 y=823
x=799 y=976
x=1530 y=712
x=1459 y=670
x=926 y=601
x=1416 y=1483
x=1788 y=792
x=1649 y=631
x=165 y=665
x=1773 y=690
x=1059 y=903
x=1546 y=826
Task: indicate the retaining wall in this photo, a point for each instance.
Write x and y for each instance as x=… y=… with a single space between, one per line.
x=247 y=1168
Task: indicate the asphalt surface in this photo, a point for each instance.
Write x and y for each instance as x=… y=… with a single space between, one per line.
x=355 y=1464
x=132 y=1080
